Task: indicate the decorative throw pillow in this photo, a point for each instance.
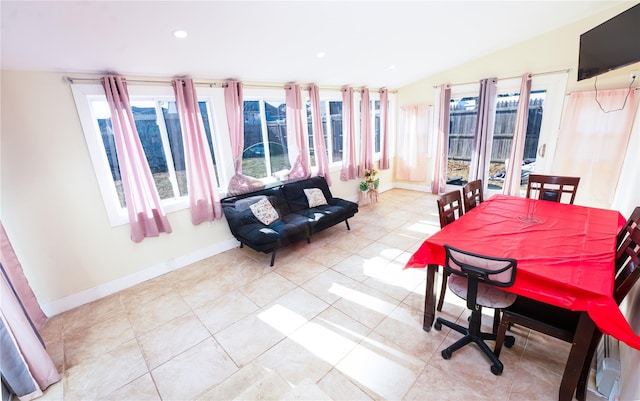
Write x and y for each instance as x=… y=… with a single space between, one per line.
x=264 y=211
x=315 y=197
x=241 y=184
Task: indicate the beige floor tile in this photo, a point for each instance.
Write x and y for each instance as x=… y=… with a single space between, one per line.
x=99 y=376
x=96 y=340
x=251 y=336
x=382 y=370
x=184 y=331
x=141 y=389
x=92 y=313
x=355 y=267
x=295 y=362
x=299 y=270
x=251 y=382
x=193 y=372
x=340 y=388
x=327 y=285
x=267 y=288
x=298 y=305
x=329 y=255
x=380 y=250
x=226 y=310
x=148 y=316
x=365 y=305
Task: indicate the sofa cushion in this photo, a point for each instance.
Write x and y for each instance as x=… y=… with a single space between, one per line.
x=315 y=197
x=264 y=211
x=243 y=204
x=294 y=192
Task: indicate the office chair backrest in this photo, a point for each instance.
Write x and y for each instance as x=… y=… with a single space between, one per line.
x=499 y=272
x=552 y=187
x=450 y=207
x=472 y=195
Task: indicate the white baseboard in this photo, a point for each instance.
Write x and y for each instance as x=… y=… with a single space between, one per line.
x=72 y=301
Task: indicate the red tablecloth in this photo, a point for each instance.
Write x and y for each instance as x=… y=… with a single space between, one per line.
x=566 y=258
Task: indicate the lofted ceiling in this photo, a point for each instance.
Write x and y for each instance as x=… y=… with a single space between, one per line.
x=366 y=43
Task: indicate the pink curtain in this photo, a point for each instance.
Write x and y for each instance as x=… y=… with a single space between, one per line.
x=26 y=367
x=297 y=144
x=233 y=101
x=514 y=165
x=146 y=216
x=201 y=180
x=366 y=134
x=439 y=180
x=348 y=171
x=384 y=129
x=593 y=141
x=320 y=149
x=481 y=156
x=413 y=138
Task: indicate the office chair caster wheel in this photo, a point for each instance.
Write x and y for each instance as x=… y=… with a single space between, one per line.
x=509 y=341
x=496 y=369
x=446 y=354
x=437 y=325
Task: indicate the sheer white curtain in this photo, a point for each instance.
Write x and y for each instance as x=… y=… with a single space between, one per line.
x=412 y=143
x=514 y=165
x=481 y=157
x=627 y=195
x=146 y=217
x=348 y=171
x=439 y=179
x=204 y=200
x=594 y=136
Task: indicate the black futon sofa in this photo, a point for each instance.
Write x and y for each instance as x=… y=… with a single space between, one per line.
x=251 y=218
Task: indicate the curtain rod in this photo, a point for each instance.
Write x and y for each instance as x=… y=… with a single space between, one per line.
x=222 y=84
x=519 y=76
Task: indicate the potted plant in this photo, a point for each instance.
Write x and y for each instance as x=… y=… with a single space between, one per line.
x=364 y=186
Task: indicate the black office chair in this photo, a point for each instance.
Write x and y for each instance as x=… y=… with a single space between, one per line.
x=475 y=277
x=562 y=323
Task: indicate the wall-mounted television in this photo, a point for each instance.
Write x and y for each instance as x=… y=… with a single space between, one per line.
x=613 y=44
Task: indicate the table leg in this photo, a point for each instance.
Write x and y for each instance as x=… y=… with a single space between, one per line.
x=577 y=357
x=430 y=298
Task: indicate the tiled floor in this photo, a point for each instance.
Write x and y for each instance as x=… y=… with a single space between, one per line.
x=337 y=319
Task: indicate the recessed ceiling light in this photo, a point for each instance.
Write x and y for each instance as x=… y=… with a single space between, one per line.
x=321 y=55
x=180 y=34
x=392 y=67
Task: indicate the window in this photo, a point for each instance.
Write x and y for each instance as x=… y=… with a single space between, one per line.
x=543 y=107
x=154 y=108
x=265 y=138
x=158 y=125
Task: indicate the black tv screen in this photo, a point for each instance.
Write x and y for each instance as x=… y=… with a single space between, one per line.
x=613 y=44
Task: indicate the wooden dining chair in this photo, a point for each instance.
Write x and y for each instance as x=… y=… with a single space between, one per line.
x=477 y=279
x=450 y=208
x=562 y=323
x=472 y=195
x=552 y=187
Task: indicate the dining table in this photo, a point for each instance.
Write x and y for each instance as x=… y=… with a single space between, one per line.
x=565 y=257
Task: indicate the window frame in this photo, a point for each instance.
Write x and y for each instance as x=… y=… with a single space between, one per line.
x=85 y=94
x=554 y=86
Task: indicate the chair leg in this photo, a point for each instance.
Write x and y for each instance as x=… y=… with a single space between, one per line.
x=443 y=290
